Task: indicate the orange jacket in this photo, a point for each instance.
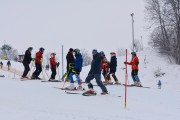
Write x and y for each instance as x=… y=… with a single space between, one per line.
x=134 y=62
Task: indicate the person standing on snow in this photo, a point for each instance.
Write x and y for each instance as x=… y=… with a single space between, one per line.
x=38 y=64
x=26 y=61
x=95 y=72
x=134 y=63
x=70 y=62
x=113 y=66
x=53 y=65
x=9 y=64
x=76 y=69
x=1 y=63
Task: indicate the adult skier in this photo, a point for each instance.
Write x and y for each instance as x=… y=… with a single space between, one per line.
x=38 y=63
x=134 y=63
x=95 y=72
x=53 y=65
x=26 y=61
x=70 y=62
x=113 y=66
x=76 y=69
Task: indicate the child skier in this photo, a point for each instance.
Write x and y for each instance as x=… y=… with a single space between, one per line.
x=134 y=63
x=105 y=70
x=53 y=65
x=113 y=66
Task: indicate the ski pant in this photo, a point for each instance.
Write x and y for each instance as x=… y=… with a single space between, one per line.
x=38 y=70
x=53 y=73
x=26 y=69
x=134 y=75
x=76 y=73
x=114 y=76
x=98 y=81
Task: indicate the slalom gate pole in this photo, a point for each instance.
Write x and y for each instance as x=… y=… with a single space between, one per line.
x=126 y=79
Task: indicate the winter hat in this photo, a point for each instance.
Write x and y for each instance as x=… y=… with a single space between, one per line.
x=113 y=53
x=53 y=53
x=94 y=51
x=71 y=50
x=30 y=48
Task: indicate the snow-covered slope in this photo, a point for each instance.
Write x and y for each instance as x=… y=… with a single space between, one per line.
x=36 y=100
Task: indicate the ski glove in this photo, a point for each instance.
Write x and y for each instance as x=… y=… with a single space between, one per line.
x=58 y=64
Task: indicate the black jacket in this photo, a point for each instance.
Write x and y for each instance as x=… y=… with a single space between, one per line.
x=113 y=64
x=27 y=57
x=70 y=59
x=96 y=64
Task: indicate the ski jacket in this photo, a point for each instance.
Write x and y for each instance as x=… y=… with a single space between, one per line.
x=70 y=59
x=38 y=58
x=96 y=64
x=134 y=62
x=105 y=67
x=27 y=57
x=78 y=63
x=53 y=63
x=113 y=64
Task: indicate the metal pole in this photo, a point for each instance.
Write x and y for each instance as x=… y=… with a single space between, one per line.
x=62 y=61
x=132 y=30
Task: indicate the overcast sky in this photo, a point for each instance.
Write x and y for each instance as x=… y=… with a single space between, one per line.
x=91 y=24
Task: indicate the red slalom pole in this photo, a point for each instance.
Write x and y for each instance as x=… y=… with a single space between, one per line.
x=126 y=79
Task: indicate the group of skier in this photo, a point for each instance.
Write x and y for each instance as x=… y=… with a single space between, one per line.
x=74 y=67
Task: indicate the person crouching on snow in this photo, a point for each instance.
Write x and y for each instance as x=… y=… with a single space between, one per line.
x=75 y=70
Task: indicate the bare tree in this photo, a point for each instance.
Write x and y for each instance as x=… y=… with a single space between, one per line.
x=7 y=52
x=138 y=46
x=86 y=57
x=165 y=17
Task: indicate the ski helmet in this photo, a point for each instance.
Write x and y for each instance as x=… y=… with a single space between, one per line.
x=77 y=51
x=133 y=53
x=41 y=49
x=94 y=51
x=102 y=53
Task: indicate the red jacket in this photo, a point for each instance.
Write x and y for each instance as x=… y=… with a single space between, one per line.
x=53 y=62
x=134 y=62
x=38 y=58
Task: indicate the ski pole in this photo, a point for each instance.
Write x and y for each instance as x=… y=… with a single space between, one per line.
x=46 y=74
x=58 y=73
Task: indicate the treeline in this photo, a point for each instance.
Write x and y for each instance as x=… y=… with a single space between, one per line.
x=164 y=16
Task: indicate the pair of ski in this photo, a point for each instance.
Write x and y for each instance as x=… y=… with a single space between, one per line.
x=75 y=91
x=135 y=86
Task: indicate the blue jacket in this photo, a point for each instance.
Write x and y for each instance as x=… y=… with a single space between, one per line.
x=78 y=63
